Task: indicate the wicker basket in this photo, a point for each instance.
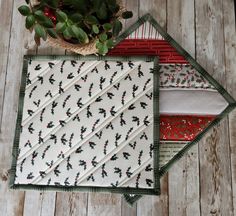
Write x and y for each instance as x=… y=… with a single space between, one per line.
x=82 y=49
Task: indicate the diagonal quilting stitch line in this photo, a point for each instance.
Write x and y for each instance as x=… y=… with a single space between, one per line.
x=123 y=144
x=107 y=157
x=136 y=171
x=75 y=113
x=42 y=73
x=100 y=127
x=66 y=87
x=103 y=124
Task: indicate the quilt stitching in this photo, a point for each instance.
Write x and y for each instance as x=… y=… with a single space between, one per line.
x=119 y=109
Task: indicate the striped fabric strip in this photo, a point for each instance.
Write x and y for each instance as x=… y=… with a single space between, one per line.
x=145 y=31
x=168 y=150
x=161 y=48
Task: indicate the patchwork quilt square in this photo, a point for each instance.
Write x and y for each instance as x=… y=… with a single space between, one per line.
x=88 y=123
x=191 y=101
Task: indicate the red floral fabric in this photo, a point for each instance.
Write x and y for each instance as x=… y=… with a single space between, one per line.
x=172 y=128
x=182 y=128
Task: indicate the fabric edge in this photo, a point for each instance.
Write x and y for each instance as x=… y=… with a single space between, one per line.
x=12 y=185
x=201 y=70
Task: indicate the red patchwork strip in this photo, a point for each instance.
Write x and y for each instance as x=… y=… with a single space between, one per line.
x=182 y=128
x=161 y=48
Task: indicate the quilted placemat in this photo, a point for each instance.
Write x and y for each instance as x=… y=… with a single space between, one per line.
x=191 y=101
x=88 y=123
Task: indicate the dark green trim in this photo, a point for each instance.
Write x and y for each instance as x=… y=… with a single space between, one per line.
x=132 y=199
x=152 y=191
x=156 y=125
x=181 y=153
x=18 y=122
x=89 y=57
x=232 y=103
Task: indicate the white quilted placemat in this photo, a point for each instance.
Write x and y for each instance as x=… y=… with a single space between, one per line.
x=88 y=123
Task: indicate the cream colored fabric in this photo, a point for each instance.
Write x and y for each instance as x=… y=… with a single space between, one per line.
x=87 y=123
x=191 y=102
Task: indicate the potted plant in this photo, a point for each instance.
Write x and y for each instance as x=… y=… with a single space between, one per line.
x=82 y=26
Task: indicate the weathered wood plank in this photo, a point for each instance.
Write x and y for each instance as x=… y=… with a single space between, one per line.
x=157 y=8
x=134 y=6
x=184 y=175
x=151 y=205
x=216 y=192
x=214 y=154
x=104 y=204
x=39 y=203
x=127 y=210
x=5 y=27
x=71 y=204
x=11 y=202
x=230 y=64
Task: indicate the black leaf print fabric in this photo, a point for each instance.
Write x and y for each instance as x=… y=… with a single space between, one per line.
x=88 y=124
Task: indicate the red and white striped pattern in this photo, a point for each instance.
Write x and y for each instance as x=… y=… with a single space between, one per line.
x=146 y=31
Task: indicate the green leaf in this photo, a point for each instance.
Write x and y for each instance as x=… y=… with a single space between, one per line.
x=52 y=33
x=91 y=20
x=47 y=23
x=43 y=20
x=127 y=14
x=39 y=15
x=61 y=16
x=60 y=27
x=69 y=22
x=117 y=27
x=102 y=11
x=103 y=37
x=82 y=36
x=24 y=10
x=79 y=33
x=102 y=48
x=74 y=31
x=40 y=31
x=95 y=29
x=76 y=17
x=107 y=26
x=30 y=21
x=110 y=43
x=67 y=34
x=96 y=4
x=79 y=5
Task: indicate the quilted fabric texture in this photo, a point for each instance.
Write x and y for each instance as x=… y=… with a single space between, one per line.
x=88 y=123
x=191 y=101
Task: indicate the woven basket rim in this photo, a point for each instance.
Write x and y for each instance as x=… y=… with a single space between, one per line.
x=83 y=49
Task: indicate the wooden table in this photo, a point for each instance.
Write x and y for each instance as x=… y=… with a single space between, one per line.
x=202 y=183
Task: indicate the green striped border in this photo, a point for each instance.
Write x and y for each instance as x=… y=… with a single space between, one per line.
x=153 y=191
x=232 y=103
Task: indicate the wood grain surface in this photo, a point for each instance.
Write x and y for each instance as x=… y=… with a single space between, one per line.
x=203 y=182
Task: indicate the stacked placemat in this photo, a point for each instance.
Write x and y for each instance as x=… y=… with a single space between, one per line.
x=115 y=123
x=191 y=100
x=88 y=123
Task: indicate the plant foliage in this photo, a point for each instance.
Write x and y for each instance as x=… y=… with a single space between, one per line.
x=76 y=21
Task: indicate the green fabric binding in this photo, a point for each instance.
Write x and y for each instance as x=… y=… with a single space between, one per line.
x=154 y=191
x=232 y=103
